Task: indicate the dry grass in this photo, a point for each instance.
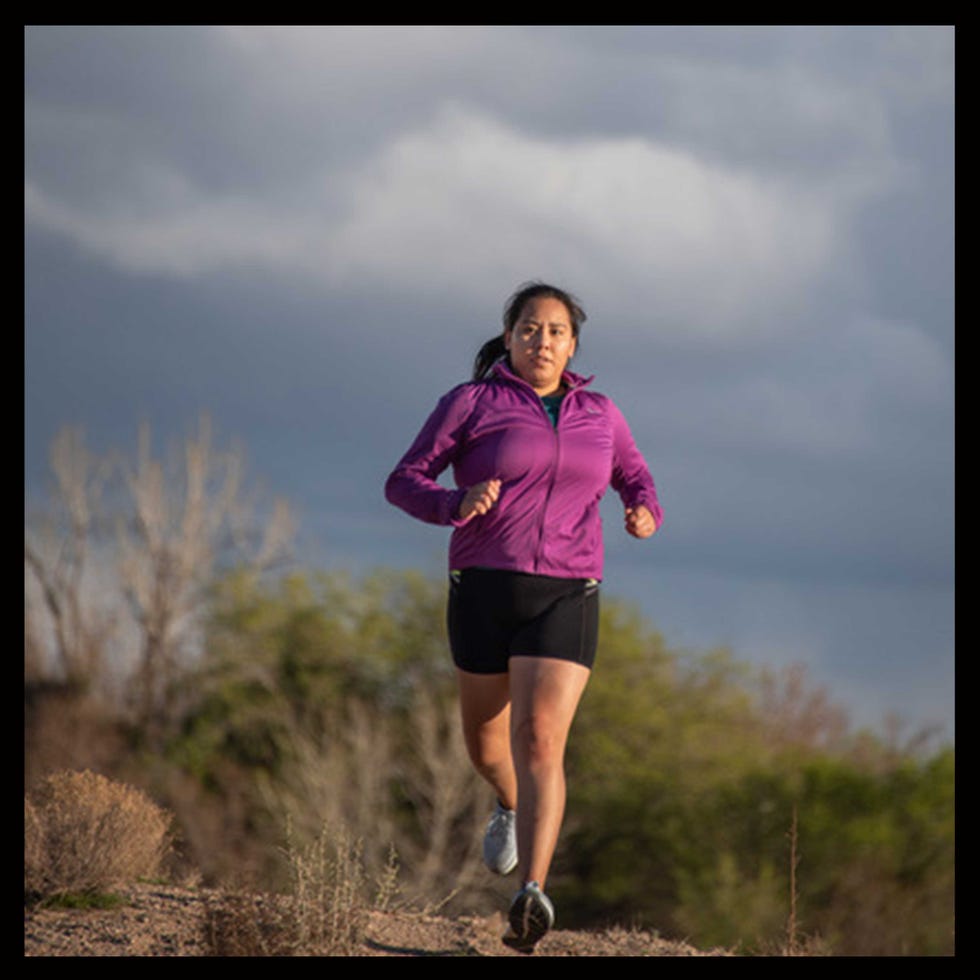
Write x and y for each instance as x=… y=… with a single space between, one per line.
x=328 y=882
x=323 y=915
x=85 y=834
x=797 y=944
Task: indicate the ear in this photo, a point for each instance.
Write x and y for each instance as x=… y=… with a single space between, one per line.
x=507 y=336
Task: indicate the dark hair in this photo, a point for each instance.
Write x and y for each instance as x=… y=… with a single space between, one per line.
x=494 y=348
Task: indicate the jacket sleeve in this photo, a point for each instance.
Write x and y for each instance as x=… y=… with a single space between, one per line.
x=413 y=485
x=631 y=477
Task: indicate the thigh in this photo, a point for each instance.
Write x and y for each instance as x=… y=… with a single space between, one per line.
x=545 y=693
x=484 y=703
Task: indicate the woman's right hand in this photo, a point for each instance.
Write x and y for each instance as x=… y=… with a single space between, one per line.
x=479 y=498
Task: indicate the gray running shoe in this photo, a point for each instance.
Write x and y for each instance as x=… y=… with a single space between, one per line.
x=500 y=841
x=531 y=916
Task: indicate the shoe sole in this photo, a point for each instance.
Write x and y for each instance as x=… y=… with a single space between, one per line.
x=529 y=920
x=500 y=870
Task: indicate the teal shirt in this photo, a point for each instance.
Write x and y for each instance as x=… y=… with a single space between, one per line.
x=552 y=404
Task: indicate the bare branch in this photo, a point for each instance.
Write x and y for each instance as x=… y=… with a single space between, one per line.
x=177 y=522
x=56 y=555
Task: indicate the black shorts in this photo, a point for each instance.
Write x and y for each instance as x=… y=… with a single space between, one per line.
x=495 y=615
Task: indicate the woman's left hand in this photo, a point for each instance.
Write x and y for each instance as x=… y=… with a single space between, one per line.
x=640 y=522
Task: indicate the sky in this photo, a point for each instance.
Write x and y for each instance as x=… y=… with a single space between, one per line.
x=305 y=233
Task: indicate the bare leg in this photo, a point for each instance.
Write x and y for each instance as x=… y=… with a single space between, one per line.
x=485 y=708
x=545 y=694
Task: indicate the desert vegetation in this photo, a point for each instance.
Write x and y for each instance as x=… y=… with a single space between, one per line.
x=172 y=648
x=85 y=835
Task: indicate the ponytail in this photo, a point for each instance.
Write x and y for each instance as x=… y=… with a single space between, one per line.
x=488 y=355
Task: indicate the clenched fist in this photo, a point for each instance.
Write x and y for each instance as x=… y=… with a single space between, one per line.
x=640 y=522
x=479 y=498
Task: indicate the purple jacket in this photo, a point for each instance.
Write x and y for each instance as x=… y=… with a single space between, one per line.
x=546 y=520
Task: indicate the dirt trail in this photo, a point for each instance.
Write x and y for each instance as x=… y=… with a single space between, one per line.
x=170 y=921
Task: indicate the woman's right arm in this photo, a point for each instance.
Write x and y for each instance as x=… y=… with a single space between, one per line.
x=413 y=485
x=479 y=500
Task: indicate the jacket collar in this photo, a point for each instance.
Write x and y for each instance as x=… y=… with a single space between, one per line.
x=571 y=380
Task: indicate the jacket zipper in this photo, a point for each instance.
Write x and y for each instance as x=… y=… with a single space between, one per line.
x=554 y=429
x=538 y=552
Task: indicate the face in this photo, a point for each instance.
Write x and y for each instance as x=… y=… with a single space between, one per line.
x=541 y=343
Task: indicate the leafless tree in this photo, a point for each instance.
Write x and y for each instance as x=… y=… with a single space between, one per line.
x=176 y=524
x=187 y=520
x=799 y=713
x=59 y=566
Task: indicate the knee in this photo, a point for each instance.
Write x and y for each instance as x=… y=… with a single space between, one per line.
x=538 y=741
x=489 y=749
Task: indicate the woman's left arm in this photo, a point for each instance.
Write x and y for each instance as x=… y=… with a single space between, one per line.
x=640 y=522
x=631 y=479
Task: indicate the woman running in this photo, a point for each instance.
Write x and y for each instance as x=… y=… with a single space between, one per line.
x=533 y=450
